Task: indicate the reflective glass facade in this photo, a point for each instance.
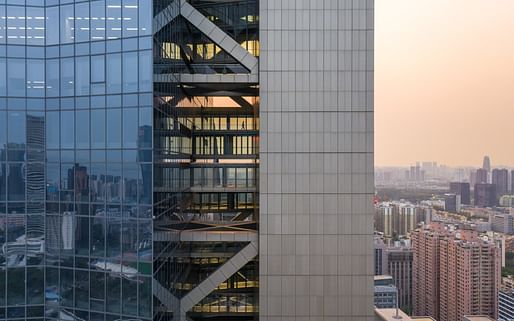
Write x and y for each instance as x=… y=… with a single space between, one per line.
x=76 y=121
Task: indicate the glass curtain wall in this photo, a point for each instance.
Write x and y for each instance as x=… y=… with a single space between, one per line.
x=76 y=122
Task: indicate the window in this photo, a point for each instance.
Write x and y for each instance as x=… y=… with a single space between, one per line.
x=145 y=17
x=145 y=71
x=35 y=26
x=16 y=77
x=114 y=128
x=16 y=130
x=15 y=25
x=35 y=78
x=52 y=25
x=3 y=21
x=67 y=77
x=82 y=22
x=52 y=129
x=67 y=24
x=114 y=73
x=82 y=76
x=67 y=129
x=82 y=128
x=130 y=25
x=97 y=20
x=98 y=128
x=130 y=128
x=113 y=19
x=52 y=78
x=130 y=74
x=3 y=130
x=3 y=73
x=98 y=69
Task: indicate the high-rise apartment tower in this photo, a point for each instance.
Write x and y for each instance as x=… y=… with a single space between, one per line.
x=456 y=272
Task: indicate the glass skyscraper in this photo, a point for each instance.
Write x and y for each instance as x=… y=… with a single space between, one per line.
x=186 y=160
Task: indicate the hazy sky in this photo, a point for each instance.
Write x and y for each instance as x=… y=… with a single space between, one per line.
x=444 y=81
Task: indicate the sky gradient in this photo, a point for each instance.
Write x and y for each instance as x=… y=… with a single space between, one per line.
x=444 y=81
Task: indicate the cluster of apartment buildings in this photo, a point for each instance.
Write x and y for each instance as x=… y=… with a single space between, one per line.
x=399 y=218
x=444 y=272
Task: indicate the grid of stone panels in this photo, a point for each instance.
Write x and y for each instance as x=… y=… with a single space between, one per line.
x=316 y=78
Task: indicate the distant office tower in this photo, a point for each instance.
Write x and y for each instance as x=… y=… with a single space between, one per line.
x=481 y=176
x=452 y=203
x=462 y=189
x=407 y=175
x=472 y=178
x=415 y=174
x=399 y=266
x=500 y=178
x=485 y=195
x=466 y=268
x=506 y=305
x=512 y=182
x=487 y=164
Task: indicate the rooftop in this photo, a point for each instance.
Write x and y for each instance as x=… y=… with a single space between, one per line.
x=477 y=318
x=385 y=289
x=383 y=277
x=389 y=315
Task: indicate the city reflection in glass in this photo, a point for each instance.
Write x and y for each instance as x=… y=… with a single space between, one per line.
x=76 y=121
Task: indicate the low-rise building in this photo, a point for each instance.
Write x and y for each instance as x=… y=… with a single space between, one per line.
x=502 y=223
x=506 y=304
x=507 y=200
x=395 y=259
x=386 y=296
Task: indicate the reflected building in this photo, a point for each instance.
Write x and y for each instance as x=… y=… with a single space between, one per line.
x=171 y=160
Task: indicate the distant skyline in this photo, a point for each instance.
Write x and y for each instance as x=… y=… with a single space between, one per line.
x=493 y=166
x=443 y=79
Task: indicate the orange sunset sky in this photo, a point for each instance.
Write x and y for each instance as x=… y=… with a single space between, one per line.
x=444 y=81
